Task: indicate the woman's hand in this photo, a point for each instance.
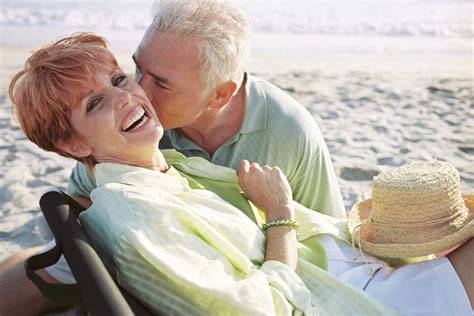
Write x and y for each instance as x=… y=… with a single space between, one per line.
x=267 y=188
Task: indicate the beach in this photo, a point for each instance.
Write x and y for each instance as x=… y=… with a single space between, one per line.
x=380 y=102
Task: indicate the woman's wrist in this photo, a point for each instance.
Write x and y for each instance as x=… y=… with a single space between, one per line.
x=286 y=212
x=282 y=222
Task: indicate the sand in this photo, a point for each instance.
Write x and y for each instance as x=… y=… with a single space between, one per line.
x=375 y=111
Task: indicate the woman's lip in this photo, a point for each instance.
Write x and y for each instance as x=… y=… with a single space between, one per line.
x=147 y=120
x=130 y=114
x=151 y=113
x=147 y=110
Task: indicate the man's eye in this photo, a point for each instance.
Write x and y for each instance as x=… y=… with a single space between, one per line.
x=92 y=105
x=119 y=79
x=159 y=84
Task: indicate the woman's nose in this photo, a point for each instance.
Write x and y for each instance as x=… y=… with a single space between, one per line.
x=123 y=98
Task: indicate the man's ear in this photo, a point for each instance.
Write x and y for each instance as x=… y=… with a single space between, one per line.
x=75 y=148
x=223 y=94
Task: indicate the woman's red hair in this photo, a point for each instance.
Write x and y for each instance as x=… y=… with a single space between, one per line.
x=51 y=84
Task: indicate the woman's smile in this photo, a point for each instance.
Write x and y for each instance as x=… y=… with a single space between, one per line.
x=136 y=120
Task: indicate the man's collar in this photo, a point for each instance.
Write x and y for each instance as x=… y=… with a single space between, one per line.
x=255 y=117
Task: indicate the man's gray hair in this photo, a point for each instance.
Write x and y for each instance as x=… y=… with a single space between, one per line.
x=222 y=32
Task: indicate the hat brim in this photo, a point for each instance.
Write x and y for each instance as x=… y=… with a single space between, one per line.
x=408 y=242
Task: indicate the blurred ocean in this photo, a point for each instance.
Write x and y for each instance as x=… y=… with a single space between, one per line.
x=333 y=26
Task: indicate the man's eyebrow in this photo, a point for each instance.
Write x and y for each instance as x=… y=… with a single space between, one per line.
x=156 y=77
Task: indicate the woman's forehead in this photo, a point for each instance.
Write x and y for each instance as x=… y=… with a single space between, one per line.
x=97 y=77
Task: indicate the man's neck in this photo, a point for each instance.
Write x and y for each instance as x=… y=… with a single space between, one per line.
x=214 y=127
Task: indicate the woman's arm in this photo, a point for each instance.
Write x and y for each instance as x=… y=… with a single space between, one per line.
x=268 y=188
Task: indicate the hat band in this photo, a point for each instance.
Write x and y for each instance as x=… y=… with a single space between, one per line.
x=371 y=220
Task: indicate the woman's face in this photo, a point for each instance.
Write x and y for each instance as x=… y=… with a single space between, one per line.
x=115 y=121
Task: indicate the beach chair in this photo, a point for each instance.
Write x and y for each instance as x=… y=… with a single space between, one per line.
x=96 y=292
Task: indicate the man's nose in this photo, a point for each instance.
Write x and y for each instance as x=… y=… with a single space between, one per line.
x=146 y=85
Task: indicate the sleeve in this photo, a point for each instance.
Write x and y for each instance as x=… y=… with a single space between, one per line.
x=209 y=284
x=313 y=179
x=289 y=284
x=81 y=182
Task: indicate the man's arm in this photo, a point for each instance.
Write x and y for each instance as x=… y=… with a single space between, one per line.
x=81 y=183
x=300 y=151
x=18 y=295
x=314 y=182
x=84 y=201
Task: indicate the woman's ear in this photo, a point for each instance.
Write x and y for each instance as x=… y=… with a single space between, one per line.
x=223 y=94
x=75 y=148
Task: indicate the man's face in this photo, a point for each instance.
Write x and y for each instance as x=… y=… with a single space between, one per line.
x=168 y=71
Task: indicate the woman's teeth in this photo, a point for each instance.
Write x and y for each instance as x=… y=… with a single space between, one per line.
x=138 y=119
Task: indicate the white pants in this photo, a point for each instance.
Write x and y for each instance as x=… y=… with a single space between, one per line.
x=423 y=288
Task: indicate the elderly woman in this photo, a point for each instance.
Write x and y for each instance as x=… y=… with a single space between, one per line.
x=184 y=249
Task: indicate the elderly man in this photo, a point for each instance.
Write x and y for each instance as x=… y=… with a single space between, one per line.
x=195 y=74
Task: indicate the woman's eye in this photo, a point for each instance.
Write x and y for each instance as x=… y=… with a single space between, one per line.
x=119 y=80
x=92 y=105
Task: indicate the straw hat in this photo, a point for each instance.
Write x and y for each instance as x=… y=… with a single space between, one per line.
x=415 y=210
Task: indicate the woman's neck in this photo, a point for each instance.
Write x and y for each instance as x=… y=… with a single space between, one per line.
x=153 y=160
x=156 y=161
x=159 y=163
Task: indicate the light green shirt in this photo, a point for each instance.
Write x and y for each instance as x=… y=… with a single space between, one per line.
x=181 y=250
x=278 y=131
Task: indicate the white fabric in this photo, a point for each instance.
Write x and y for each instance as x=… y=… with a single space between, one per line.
x=423 y=288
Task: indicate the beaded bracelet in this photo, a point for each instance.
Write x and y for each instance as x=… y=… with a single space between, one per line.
x=282 y=222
